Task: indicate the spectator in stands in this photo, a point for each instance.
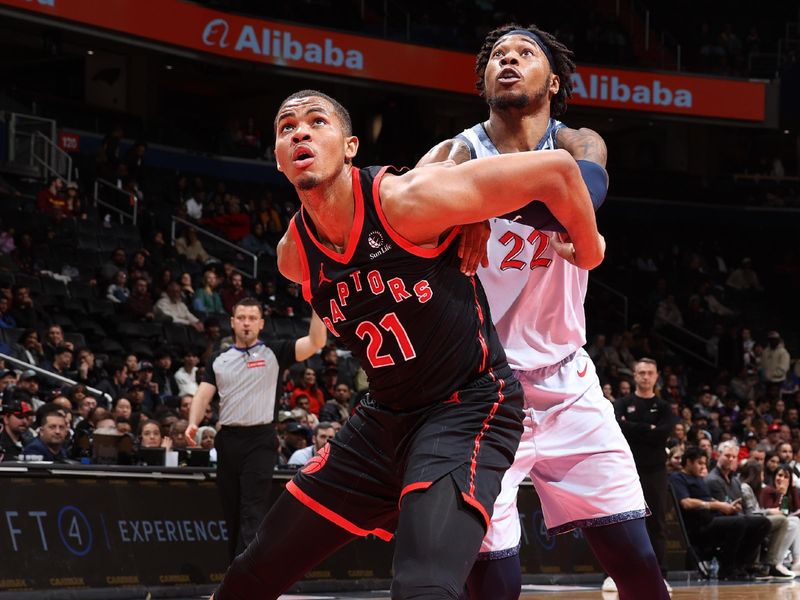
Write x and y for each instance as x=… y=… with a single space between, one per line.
x=118 y=292
x=24 y=310
x=61 y=365
x=29 y=348
x=15 y=432
x=118 y=261
x=171 y=305
x=177 y=433
x=88 y=371
x=186 y=376
x=74 y=207
x=190 y=247
x=715 y=523
x=308 y=387
x=29 y=382
x=232 y=292
x=207 y=301
x=674 y=459
x=322 y=433
x=258 y=241
x=194 y=205
x=184 y=406
x=122 y=408
x=233 y=224
x=134 y=160
x=7 y=321
x=162 y=374
x=49 y=200
x=668 y=313
x=115 y=383
x=150 y=435
x=771 y=464
x=783 y=529
x=745 y=278
x=23 y=255
x=8 y=378
x=775 y=360
x=139 y=304
x=724 y=485
x=52 y=435
x=337 y=408
x=140 y=264
x=85 y=406
x=55 y=339
x=158 y=250
x=783 y=496
x=204 y=438
x=294 y=439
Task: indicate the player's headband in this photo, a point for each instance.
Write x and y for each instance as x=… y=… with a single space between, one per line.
x=537 y=40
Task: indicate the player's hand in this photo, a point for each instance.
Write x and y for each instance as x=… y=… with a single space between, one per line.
x=563 y=246
x=472 y=247
x=191 y=431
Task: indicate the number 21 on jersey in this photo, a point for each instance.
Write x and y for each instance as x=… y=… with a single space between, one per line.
x=536 y=238
x=391 y=324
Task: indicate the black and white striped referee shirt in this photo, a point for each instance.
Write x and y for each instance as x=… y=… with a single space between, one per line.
x=247 y=381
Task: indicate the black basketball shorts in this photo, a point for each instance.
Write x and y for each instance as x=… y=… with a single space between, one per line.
x=359 y=479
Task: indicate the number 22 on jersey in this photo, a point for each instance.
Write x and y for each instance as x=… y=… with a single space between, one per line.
x=536 y=238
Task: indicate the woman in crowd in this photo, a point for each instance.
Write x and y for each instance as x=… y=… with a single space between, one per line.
x=771 y=464
x=205 y=439
x=783 y=531
x=782 y=496
x=308 y=387
x=118 y=292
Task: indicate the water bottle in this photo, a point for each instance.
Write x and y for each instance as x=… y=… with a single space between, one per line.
x=713 y=569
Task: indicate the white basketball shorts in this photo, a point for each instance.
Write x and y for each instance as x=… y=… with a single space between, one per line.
x=575 y=454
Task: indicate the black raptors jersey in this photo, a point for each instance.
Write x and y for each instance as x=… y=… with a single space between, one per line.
x=420 y=328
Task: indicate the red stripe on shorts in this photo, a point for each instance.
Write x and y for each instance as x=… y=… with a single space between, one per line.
x=337 y=519
x=480 y=333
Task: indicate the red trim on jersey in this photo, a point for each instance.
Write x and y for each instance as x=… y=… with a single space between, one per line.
x=301 y=251
x=399 y=239
x=486 y=423
x=355 y=230
x=327 y=513
x=413 y=487
x=477 y=506
x=481 y=339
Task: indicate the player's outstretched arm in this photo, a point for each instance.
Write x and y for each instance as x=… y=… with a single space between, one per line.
x=425 y=202
x=317 y=337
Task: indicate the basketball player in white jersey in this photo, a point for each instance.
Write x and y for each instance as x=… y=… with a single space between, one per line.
x=572 y=447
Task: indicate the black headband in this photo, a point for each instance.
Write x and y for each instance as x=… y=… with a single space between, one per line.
x=535 y=38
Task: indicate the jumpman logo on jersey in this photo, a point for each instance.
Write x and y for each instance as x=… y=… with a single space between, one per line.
x=322 y=278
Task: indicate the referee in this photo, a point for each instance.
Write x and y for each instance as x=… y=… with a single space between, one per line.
x=246 y=376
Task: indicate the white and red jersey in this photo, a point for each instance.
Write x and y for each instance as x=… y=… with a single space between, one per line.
x=536 y=297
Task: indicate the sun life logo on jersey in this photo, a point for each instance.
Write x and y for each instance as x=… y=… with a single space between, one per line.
x=375 y=240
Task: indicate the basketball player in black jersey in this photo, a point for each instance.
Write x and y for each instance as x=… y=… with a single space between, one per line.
x=423 y=457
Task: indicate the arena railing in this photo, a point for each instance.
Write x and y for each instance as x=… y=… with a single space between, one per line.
x=44 y=373
x=115 y=199
x=216 y=247
x=51 y=159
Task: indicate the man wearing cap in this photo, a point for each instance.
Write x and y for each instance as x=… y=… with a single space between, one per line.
x=52 y=435
x=295 y=438
x=29 y=381
x=322 y=433
x=773 y=437
x=7 y=378
x=15 y=432
x=775 y=359
x=61 y=365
